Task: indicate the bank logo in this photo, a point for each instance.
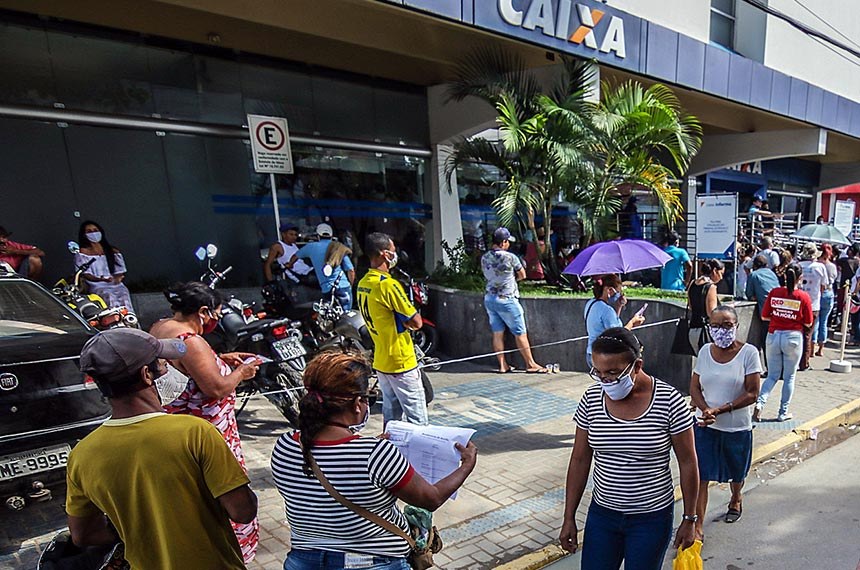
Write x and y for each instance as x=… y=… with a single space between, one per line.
x=540 y=14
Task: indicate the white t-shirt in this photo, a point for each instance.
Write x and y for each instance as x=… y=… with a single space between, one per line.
x=814 y=277
x=722 y=383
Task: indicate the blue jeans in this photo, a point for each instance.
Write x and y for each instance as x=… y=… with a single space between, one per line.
x=784 y=349
x=343 y=296
x=819 y=328
x=403 y=397
x=639 y=540
x=505 y=312
x=326 y=560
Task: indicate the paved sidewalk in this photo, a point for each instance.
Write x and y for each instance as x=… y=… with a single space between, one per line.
x=512 y=503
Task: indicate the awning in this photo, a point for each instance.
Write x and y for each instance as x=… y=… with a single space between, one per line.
x=850 y=189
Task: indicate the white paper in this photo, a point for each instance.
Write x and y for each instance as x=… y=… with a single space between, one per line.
x=429 y=449
x=259 y=357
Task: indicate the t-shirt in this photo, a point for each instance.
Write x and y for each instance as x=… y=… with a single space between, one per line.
x=14 y=259
x=672 y=275
x=157 y=477
x=771 y=256
x=315 y=251
x=365 y=470
x=847 y=268
x=631 y=457
x=761 y=282
x=814 y=278
x=599 y=316
x=723 y=383
x=385 y=308
x=291 y=249
x=500 y=269
x=787 y=312
x=832 y=273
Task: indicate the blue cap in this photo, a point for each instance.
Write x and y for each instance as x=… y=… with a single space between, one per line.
x=501 y=235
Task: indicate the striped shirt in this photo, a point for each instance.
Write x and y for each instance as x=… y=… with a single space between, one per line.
x=365 y=470
x=631 y=457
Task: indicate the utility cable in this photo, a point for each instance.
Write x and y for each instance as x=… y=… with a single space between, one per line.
x=826 y=23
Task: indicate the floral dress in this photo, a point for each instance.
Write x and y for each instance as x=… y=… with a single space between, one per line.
x=222 y=414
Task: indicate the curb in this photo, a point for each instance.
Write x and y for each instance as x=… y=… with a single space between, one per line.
x=845 y=414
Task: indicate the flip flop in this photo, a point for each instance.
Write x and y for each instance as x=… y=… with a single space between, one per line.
x=508 y=371
x=541 y=370
x=733 y=515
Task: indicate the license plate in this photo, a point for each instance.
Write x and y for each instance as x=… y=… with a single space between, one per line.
x=34 y=461
x=289 y=348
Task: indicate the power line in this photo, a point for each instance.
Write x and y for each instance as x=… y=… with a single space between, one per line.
x=825 y=22
x=836 y=51
x=812 y=32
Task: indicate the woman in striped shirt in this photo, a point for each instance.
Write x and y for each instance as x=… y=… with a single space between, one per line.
x=627 y=423
x=370 y=472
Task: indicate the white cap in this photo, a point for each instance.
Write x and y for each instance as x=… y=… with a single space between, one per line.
x=324 y=230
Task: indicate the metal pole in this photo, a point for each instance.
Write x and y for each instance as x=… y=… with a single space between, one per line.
x=275 y=206
x=846 y=316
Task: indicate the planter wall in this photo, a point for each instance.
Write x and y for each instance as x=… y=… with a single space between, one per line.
x=464 y=331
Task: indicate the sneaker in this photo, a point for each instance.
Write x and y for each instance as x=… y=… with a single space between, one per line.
x=784 y=417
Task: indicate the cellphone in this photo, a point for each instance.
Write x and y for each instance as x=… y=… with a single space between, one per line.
x=641 y=311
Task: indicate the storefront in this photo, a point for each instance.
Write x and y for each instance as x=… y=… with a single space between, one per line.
x=160 y=191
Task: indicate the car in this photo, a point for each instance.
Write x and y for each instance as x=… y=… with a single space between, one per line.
x=46 y=403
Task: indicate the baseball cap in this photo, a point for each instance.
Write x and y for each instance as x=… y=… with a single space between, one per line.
x=324 y=230
x=288 y=227
x=502 y=234
x=118 y=354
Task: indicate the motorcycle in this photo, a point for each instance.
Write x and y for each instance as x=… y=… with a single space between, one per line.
x=90 y=306
x=416 y=290
x=242 y=328
x=62 y=554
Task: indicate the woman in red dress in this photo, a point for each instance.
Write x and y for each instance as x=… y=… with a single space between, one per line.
x=212 y=379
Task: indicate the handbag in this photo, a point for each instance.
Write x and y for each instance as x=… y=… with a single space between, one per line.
x=419 y=558
x=681 y=342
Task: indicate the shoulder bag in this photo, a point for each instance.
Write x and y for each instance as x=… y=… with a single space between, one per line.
x=419 y=559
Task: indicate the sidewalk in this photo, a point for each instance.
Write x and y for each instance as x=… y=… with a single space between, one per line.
x=512 y=504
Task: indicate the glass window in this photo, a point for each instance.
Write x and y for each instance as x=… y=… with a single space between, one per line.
x=25 y=66
x=723 y=23
x=26 y=311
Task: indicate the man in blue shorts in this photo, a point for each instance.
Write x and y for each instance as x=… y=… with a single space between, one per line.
x=502 y=269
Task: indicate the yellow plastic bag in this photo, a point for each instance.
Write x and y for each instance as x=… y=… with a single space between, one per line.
x=689 y=559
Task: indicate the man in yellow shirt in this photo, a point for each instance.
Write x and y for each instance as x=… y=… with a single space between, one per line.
x=390 y=318
x=166 y=485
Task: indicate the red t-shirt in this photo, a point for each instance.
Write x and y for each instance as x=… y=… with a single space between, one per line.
x=15 y=259
x=787 y=312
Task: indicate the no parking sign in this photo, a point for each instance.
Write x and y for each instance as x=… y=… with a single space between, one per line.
x=270 y=144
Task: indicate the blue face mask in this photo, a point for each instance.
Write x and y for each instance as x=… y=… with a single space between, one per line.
x=614 y=298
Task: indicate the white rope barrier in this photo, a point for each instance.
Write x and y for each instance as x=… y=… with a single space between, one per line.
x=475 y=357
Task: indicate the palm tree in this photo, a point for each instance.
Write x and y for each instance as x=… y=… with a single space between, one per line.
x=563 y=143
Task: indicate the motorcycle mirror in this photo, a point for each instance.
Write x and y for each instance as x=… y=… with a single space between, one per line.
x=211 y=251
x=74 y=247
x=327 y=270
x=200 y=253
x=403 y=256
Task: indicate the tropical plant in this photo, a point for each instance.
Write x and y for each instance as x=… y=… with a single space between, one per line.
x=562 y=143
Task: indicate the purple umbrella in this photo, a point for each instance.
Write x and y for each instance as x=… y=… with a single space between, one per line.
x=619 y=256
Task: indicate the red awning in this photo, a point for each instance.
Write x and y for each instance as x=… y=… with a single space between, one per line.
x=850 y=189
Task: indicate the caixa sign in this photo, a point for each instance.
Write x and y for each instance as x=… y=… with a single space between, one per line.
x=592 y=28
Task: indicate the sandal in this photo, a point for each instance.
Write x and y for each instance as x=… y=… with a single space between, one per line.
x=541 y=370
x=733 y=515
x=508 y=371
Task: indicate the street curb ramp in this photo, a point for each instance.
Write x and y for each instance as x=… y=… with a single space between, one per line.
x=843 y=415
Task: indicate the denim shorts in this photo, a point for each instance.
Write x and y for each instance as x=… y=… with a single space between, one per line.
x=300 y=559
x=505 y=312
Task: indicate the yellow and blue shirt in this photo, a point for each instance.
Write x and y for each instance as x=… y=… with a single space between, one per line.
x=385 y=308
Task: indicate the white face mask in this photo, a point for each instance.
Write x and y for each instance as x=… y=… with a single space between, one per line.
x=94 y=237
x=392 y=261
x=621 y=388
x=171 y=385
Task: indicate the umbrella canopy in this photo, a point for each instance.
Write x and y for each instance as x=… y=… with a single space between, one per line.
x=821 y=232
x=620 y=256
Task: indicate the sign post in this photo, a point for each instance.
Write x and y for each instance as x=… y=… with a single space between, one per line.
x=270 y=146
x=716 y=228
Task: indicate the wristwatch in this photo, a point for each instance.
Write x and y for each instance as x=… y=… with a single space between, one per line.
x=691 y=518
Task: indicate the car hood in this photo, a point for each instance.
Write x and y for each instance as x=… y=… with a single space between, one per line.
x=42 y=347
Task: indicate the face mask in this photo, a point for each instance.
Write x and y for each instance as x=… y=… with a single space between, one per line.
x=210 y=326
x=170 y=385
x=723 y=337
x=393 y=260
x=614 y=298
x=94 y=237
x=360 y=426
x=619 y=389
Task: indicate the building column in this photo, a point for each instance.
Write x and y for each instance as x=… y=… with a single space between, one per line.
x=446 y=204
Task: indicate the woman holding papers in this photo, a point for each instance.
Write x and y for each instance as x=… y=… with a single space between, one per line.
x=627 y=423
x=368 y=472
